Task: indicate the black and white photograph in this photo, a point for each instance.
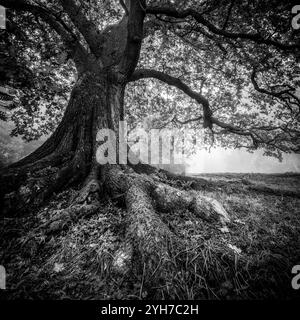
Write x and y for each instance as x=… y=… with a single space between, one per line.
x=149 y=151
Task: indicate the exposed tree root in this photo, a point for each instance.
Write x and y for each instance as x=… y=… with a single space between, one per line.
x=148 y=240
x=149 y=243
x=85 y=204
x=147 y=237
x=168 y=198
x=30 y=185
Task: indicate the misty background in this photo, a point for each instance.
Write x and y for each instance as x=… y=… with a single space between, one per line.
x=240 y=161
x=218 y=160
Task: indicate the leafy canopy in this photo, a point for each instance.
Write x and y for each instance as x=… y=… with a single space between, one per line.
x=230 y=66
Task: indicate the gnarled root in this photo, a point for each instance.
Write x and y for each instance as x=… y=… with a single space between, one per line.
x=29 y=186
x=85 y=204
x=168 y=198
x=148 y=239
x=149 y=243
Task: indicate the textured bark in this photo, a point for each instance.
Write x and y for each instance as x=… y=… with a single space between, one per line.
x=70 y=153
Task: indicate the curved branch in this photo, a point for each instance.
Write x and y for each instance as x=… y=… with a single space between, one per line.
x=175 y=82
x=255 y=37
x=208 y=120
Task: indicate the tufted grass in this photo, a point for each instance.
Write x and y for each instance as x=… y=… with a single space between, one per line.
x=251 y=260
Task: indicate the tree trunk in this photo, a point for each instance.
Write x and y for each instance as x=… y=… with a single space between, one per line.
x=96 y=102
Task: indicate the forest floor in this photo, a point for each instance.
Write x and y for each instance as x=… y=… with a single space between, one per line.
x=252 y=259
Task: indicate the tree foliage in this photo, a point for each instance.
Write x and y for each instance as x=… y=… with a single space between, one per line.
x=228 y=66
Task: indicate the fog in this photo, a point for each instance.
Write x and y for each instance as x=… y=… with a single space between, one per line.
x=218 y=160
x=221 y=160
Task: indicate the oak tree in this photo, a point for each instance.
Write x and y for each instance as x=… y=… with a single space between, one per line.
x=226 y=68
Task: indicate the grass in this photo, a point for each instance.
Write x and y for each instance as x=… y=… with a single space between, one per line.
x=253 y=260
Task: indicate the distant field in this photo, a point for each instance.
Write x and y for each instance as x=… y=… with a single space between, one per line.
x=275 y=177
x=252 y=259
x=280 y=181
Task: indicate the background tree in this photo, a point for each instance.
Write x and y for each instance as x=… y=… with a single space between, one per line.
x=229 y=67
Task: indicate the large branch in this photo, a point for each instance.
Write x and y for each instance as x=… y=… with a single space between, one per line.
x=255 y=37
x=135 y=36
x=175 y=82
x=86 y=27
x=208 y=119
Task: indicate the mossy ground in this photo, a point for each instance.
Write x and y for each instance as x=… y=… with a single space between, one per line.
x=251 y=260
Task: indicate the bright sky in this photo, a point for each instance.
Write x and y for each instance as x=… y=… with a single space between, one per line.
x=221 y=160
